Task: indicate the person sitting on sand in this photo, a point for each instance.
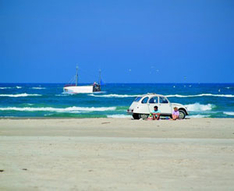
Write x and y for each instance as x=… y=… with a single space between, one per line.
x=156 y=113
x=175 y=113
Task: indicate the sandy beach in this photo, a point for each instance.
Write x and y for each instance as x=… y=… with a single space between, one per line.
x=116 y=154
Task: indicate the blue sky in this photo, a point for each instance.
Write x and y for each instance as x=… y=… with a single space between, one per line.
x=158 y=41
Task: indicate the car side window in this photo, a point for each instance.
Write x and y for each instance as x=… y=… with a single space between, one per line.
x=163 y=100
x=145 y=100
x=153 y=100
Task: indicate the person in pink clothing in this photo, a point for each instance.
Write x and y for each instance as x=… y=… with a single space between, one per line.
x=175 y=113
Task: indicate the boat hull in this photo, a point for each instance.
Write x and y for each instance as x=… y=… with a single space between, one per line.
x=81 y=89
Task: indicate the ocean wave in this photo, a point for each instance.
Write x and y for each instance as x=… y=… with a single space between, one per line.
x=119 y=116
x=175 y=95
x=17 y=87
x=18 y=95
x=66 y=94
x=101 y=92
x=199 y=116
x=199 y=107
x=3 y=88
x=229 y=113
x=113 y=95
x=202 y=95
x=52 y=109
x=62 y=94
x=38 y=88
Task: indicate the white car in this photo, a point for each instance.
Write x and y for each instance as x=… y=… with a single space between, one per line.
x=142 y=106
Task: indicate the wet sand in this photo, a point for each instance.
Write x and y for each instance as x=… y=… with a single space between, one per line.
x=116 y=154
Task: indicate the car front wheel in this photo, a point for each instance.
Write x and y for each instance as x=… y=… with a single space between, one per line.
x=135 y=116
x=182 y=114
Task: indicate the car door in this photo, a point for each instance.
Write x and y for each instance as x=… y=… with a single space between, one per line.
x=153 y=101
x=144 y=106
x=164 y=105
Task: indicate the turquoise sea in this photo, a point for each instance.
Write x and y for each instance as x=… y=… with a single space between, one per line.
x=49 y=101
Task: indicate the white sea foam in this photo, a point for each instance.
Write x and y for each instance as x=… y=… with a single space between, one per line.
x=199 y=116
x=62 y=94
x=174 y=95
x=18 y=95
x=113 y=95
x=38 y=88
x=3 y=88
x=229 y=113
x=201 y=95
x=101 y=92
x=199 y=107
x=52 y=109
x=119 y=116
x=17 y=87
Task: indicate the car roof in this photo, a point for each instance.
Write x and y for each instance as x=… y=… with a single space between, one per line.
x=152 y=94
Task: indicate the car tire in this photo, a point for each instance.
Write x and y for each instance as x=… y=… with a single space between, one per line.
x=182 y=114
x=135 y=116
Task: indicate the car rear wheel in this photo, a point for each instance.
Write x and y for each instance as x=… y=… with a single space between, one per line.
x=182 y=114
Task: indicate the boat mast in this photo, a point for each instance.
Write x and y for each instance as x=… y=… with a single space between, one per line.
x=100 y=76
x=76 y=75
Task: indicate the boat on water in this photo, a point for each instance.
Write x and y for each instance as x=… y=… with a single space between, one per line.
x=76 y=89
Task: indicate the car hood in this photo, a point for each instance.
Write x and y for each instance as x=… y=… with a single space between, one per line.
x=133 y=105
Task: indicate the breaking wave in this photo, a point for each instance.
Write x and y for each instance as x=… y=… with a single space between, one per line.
x=199 y=116
x=202 y=95
x=119 y=116
x=113 y=95
x=229 y=113
x=38 y=88
x=18 y=95
x=52 y=109
x=199 y=107
x=3 y=88
x=17 y=87
x=175 y=95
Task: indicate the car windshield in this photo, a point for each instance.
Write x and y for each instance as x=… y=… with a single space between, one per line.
x=145 y=100
x=137 y=99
